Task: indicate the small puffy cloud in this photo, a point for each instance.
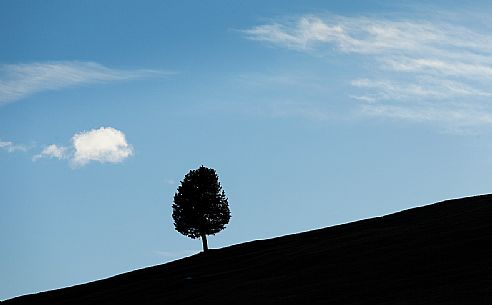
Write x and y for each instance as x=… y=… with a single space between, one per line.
x=52 y=151
x=105 y=144
x=11 y=147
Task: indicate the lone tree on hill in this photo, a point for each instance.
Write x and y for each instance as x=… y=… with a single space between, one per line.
x=200 y=205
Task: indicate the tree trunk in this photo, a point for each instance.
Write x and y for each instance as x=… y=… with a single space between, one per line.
x=204 y=241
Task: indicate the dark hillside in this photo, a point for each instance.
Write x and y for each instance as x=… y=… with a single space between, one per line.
x=436 y=254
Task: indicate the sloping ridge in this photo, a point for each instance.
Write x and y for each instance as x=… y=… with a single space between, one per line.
x=435 y=254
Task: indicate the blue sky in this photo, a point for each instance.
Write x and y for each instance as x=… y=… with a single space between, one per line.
x=313 y=113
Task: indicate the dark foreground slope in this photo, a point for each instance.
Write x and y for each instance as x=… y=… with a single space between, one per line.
x=437 y=254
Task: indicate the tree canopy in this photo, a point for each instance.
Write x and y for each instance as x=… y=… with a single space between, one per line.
x=200 y=205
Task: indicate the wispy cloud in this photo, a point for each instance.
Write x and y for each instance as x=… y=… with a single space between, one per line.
x=52 y=151
x=18 y=81
x=427 y=69
x=456 y=120
x=372 y=35
x=437 y=66
x=350 y=34
x=423 y=88
x=12 y=147
x=103 y=145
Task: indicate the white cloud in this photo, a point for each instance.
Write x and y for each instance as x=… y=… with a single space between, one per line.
x=306 y=32
x=105 y=144
x=369 y=35
x=421 y=70
x=52 y=151
x=419 y=89
x=11 y=147
x=399 y=45
x=437 y=66
x=458 y=119
x=356 y=34
x=18 y=81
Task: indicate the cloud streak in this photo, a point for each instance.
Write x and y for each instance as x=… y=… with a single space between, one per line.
x=11 y=147
x=427 y=70
x=424 y=88
x=18 y=81
x=370 y=35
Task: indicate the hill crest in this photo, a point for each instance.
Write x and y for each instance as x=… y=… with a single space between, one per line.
x=433 y=254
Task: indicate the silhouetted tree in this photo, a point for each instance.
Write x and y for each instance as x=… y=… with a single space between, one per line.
x=200 y=205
